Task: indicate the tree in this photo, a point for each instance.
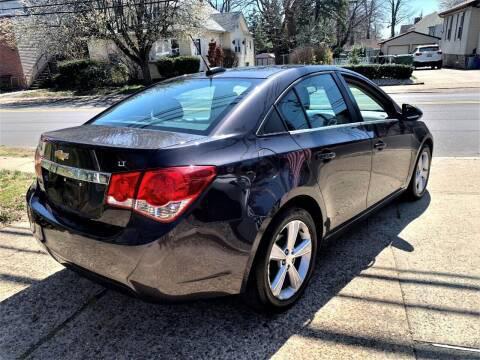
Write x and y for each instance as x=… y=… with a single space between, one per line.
x=224 y=6
x=285 y=28
x=397 y=12
x=448 y=4
x=132 y=25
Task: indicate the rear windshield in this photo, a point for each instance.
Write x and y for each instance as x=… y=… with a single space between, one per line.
x=186 y=105
x=430 y=48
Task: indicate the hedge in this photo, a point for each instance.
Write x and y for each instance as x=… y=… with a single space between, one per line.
x=86 y=74
x=384 y=71
x=180 y=65
x=166 y=66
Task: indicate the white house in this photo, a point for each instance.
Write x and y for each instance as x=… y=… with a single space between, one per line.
x=461 y=35
x=406 y=43
x=228 y=30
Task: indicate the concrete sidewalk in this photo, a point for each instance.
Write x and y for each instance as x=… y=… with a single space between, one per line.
x=404 y=280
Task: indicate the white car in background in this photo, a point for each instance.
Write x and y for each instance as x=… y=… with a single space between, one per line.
x=427 y=55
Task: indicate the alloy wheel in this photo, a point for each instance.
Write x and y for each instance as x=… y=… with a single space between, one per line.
x=289 y=260
x=421 y=172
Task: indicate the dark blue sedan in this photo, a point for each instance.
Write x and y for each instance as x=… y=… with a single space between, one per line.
x=225 y=183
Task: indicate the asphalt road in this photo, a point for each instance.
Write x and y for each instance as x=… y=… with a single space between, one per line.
x=453 y=116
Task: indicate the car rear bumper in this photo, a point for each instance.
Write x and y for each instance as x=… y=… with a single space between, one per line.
x=188 y=262
x=427 y=62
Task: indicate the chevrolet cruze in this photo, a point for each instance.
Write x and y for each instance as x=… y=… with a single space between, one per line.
x=225 y=182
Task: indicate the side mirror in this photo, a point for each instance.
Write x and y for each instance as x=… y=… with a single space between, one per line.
x=411 y=113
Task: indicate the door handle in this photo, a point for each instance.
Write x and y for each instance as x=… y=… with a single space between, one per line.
x=328 y=155
x=380 y=145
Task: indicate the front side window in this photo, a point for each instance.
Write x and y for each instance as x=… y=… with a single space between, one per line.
x=369 y=107
x=322 y=101
x=192 y=106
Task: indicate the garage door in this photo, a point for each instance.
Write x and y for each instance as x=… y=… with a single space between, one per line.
x=397 y=49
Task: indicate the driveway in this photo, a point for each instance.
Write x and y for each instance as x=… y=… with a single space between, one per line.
x=403 y=285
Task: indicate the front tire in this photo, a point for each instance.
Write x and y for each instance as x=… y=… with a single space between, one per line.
x=418 y=184
x=284 y=262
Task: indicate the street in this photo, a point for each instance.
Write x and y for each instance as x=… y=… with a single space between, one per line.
x=453 y=116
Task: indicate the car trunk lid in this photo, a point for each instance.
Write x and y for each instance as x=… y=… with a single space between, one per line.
x=77 y=164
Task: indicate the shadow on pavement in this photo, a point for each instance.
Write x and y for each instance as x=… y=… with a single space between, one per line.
x=66 y=315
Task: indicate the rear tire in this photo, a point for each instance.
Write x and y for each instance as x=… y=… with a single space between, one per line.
x=439 y=65
x=278 y=258
x=421 y=173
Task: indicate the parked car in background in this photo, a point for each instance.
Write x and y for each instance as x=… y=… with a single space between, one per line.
x=427 y=55
x=225 y=183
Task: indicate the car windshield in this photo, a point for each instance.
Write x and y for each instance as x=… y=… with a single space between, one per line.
x=186 y=105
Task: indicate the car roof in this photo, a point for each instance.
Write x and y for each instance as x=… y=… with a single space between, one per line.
x=264 y=72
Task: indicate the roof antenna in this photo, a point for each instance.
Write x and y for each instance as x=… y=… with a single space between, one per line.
x=210 y=71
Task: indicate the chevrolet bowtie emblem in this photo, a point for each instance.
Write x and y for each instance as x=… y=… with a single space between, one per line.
x=60 y=155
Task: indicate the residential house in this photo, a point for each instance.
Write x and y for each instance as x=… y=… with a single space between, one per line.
x=430 y=24
x=406 y=43
x=228 y=30
x=461 y=35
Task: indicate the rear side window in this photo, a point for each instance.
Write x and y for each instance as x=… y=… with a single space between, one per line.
x=192 y=105
x=322 y=101
x=273 y=124
x=291 y=109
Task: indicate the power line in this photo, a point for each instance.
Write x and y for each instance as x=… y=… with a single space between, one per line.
x=73 y=12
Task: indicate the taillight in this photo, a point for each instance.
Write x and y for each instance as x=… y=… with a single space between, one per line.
x=121 y=191
x=439 y=52
x=163 y=194
x=38 y=158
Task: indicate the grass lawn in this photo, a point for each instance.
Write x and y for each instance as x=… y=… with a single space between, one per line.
x=17 y=152
x=13 y=186
x=52 y=93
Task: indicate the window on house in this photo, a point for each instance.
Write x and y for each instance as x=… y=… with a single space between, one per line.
x=456 y=28
x=236 y=44
x=460 y=28
x=431 y=30
x=198 y=47
x=449 y=31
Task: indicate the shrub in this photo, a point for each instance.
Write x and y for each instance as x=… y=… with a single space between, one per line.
x=386 y=71
x=230 y=59
x=215 y=54
x=323 y=55
x=86 y=74
x=320 y=55
x=186 y=65
x=166 y=66
x=119 y=74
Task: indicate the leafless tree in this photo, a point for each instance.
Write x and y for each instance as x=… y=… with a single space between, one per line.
x=224 y=6
x=447 y=4
x=397 y=11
